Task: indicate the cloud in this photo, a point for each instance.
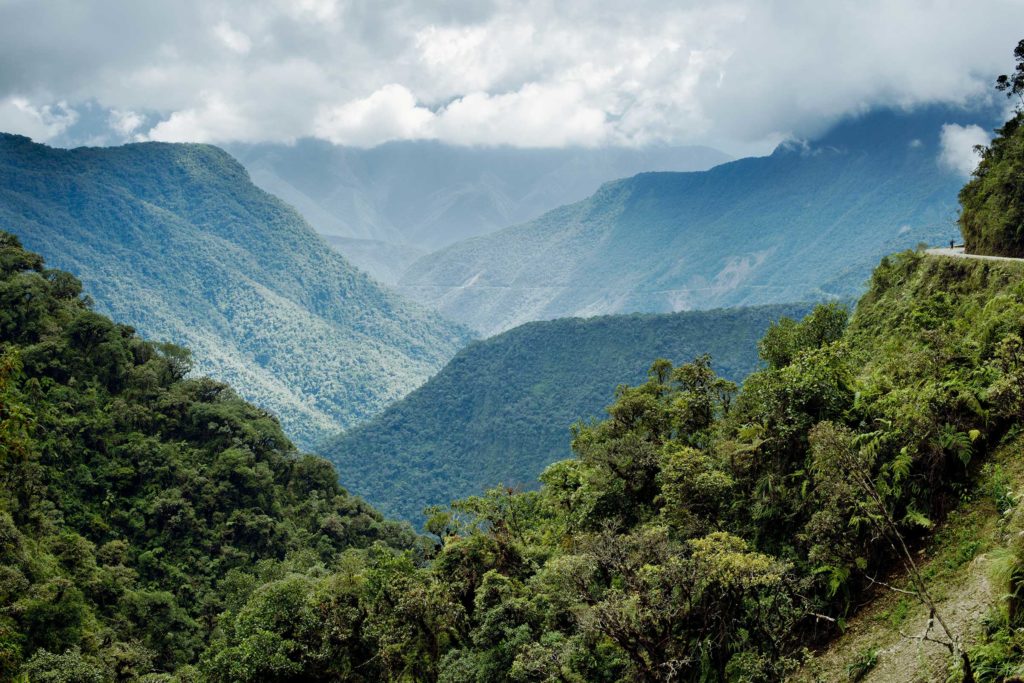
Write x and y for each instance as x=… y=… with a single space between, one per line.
x=958 y=147
x=732 y=73
x=125 y=122
x=236 y=41
x=390 y=113
x=216 y=119
x=534 y=116
x=42 y=123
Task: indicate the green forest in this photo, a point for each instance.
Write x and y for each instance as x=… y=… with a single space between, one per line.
x=137 y=506
x=159 y=527
x=175 y=240
x=500 y=411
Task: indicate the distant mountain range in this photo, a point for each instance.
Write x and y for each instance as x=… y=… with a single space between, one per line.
x=500 y=411
x=807 y=222
x=404 y=197
x=175 y=240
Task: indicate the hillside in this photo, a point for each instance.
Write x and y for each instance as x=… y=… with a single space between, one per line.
x=136 y=504
x=157 y=524
x=749 y=527
x=383 y=261
x=176 y=241
x=807 y=222
x=500 y=411
x=966 y=317
x=422 y=195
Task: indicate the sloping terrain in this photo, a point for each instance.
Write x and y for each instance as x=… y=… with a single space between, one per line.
x=138 y=503
x=500 y=411
x=966 y=565
x=426 y=195
x=176 y=241
x=807 y=222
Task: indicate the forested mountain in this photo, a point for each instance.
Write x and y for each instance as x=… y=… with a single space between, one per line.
x=137 y=505
x=155 y=525
x=176 y=241
x=422 y=195
x=500 y=411
x=807 y=222
x=385 y=261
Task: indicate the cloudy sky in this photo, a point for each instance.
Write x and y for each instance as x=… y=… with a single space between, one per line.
x=539 y=73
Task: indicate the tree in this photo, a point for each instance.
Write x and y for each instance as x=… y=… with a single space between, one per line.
x=992 y=219
x=835 y=451
x=1013 y=83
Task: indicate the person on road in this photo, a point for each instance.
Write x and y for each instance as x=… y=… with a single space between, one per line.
x=951 y=242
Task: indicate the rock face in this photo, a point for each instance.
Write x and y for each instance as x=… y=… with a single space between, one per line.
x=176 y=241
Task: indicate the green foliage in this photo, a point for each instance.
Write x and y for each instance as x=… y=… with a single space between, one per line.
x=500 y=410
x=152 y=523
x=135 y=502
x=176 y=241
x=992 y=220
x=865 y=662
x=784 y=340
x=700 y=536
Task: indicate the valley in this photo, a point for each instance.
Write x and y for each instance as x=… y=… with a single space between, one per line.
x=502 y=409
x=176 y=241
x=404 y=197
x=434 y=342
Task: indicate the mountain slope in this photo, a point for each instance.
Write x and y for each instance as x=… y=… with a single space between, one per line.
x=500 y=411
x=137 y=504
x=427 y=195
x=809 y=221
x=176 y=241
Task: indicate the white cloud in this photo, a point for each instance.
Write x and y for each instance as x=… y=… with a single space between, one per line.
x=534 y=116
x=731 y=73
x=214 y=120
x=41 y=123
x=234 y=40
x=958 y=147
x=390 y=113
x=125 y=122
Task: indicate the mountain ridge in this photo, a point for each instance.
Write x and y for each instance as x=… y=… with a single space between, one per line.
x=500 y=411
x=806 y=222
x=425 y=194
x=215 y=262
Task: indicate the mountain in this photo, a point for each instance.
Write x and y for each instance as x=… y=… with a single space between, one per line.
x=383 y=261
x=424 y=195
x=176 y=241
x=137 y=504
x=156 y=527
x=500 y=411
x=807 y=222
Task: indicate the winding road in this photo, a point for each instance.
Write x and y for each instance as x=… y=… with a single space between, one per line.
x=958 y=252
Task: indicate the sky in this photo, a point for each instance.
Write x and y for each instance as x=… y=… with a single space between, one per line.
x=739 y=76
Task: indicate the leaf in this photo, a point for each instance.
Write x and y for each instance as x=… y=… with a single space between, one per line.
x=917 y=518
